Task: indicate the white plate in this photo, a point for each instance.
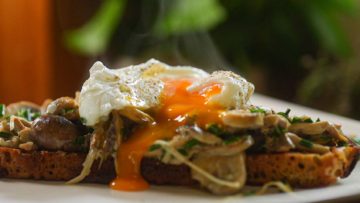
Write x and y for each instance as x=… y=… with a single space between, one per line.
x=16 y=191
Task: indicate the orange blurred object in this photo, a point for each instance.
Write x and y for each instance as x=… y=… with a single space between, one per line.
x=25 y=50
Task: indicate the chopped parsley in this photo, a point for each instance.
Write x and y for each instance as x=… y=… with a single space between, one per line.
x=257 y=110
x=301 y=120
x=2 y=110
x=187 y=146
x=317 y=120
x=308 y=120
x=277 y=131
x=79 y=140
x=285 y=114
x=190 y=144
x=83 y=120
x=325 y=138
x=306 y=143
x=183 y=152
x=232 y=140
x=66 y=111
x=218 y=131
x=5 y=135
x=154 y=147
x=342 y=143
x=28 y=114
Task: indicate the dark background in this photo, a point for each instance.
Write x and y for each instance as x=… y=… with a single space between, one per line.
x=306 y=52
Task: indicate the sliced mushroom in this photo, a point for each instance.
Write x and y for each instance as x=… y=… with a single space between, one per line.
x=136 y=115
x=17 y=124
x=230 y=149
x=318 y=128
x=14 y=108
x=198 y=134
x=227 y=168
x=272 y=120
x=309 y=128
x=335 y=132
x=64 y=106
x=280 y=143
x=243 y=119
x=307 y=146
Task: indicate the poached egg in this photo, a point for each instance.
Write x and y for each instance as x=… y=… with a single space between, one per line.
x=173 y=93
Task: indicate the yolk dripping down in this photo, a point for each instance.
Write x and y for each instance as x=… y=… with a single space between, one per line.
x=177 y=104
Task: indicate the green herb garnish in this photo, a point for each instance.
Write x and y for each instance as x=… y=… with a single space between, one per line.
x=325 y=138
x=278 y=131
x=154 y=147
x=286 y=113
x=79 y=140
x=183 y=152
x=190 y=144
x=28 y=114
x=342 y=143
x=308 y=120
x=232 y=140
x=5 y=135
x=296 y=120
x=218 y=131
x=306 y=143
x=214 y=129
x=300 y=120
x=257 y=110
x=317 y=120
x=66 y=111
x=83 y=120
x=2 y=110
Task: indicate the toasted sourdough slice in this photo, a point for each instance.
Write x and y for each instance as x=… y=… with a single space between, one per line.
x=302 y=170
x=56 y=166
x=297 y=169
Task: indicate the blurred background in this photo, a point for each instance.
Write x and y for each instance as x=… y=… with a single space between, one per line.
x=307 y=52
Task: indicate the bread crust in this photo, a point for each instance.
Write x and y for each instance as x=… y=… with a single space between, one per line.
x=55 y=166
x=301 y=170
x=297 y=169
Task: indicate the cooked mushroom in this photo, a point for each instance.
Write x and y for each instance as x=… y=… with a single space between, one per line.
x=309 y=128
x=306 y=145
x=243 y=119
x=231 y=149
x=53 y=132
x=335 y=132
x=272 y=120
x=136 y=115
x=227 y=168
x=64 y=106
x=198 y=134
x=17 y=124
x=14 y=108
x=280 y=143
x=226 y=163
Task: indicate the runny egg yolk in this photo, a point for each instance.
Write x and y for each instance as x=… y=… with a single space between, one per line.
x=178 y=104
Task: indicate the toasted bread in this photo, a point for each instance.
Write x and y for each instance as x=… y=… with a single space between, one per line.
x=56 y=166
x=297 y=169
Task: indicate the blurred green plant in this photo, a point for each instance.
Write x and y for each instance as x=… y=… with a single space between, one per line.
x=93 y=37
x=182 y=16
x=189 y=16
x=271 y=35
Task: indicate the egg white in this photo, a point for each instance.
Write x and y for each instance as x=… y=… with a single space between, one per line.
x=140 y=86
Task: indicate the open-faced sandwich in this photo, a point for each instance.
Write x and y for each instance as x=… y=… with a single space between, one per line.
x=156 y=124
